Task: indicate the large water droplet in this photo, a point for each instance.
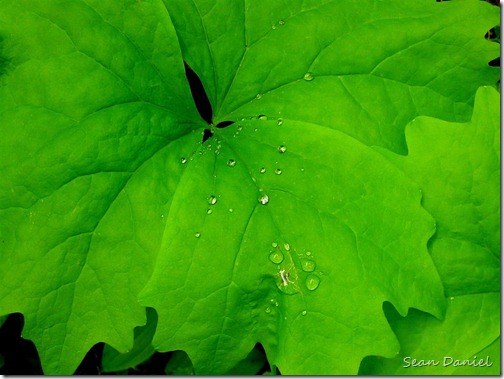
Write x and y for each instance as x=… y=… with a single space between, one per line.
x=264 y=199
x=262 y=117
x=278 y=171
x=231 y=163
x=262 y=170
x=212 y=200
x=308 y=76
x=287 y=283
x=183 y=160
x=276 y=257
x=282 y=149
x=307 y=265
x=312 y=282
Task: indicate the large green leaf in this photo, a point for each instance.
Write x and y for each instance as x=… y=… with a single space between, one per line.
x=366 y=68
x=106 y=188
x=458 y=168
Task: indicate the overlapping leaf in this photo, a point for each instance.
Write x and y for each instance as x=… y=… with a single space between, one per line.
x=458 y=167
x=103 y=181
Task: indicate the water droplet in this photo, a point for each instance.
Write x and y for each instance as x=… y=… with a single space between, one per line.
x=217 y=152
x=276 y=304
x=278 y=171
x=239 y=128
x=264 y=199
x=304 y=313
x=451 y=298
x=262 y=170
x=267 y=310
x=183 y=160
x=276 y=257
x=274 y=244
x=308 y=76
x=312 y=282
x=231 y=163
x=262 y=117
x=273 y=27
x=282 y=149
x=272 y=301
x=209 y=211
x=307 y=265
x=281 y=22
x=279 y=122
x=197 y=234
x=212 y=200
x=162 y=216
x=308 y=253
x=258 y=96
x=287 y=246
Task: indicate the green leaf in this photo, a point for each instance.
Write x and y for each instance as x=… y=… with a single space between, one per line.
x=458 y=168
x=105 y=182
x=94 y=105
x=364 y=68
x=226 y=291
x=113 y=360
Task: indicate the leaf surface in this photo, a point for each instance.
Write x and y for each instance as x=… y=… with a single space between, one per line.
x=458 y=168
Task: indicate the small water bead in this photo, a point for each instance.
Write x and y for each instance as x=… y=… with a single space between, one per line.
x=262 y=117
x=212 y=200
x=197 y=234
x=262 y=170
x=273 y=27
x=258 y=96
x=209 y=211
x=264 y=199
x=279 y=122
x=312 y=282
x=282 y=149
x=276 y=257
x=276 y=304
x=274 y=244
x=267 y=310
x=308 y=76
x=217 y=152
x=183 y=160
x=307 y=265
x=230 y=210
x=281 y=22
x=308 y=253
x=287 y=246
x=231 y=163
x=278 y=171
x=239 y=128
x=304 y=313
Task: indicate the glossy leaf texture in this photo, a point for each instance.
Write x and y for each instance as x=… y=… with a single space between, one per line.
x=458 y=167
x=285 y=228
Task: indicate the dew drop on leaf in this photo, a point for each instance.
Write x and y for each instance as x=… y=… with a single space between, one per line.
x=281 y=22
x=212 y=200
x=287 y=246
x=258 y=96
x=262 y=170
x=197 y=234
x=262 y=117
x=307 y=265
x=278 y=171
x=276 y=257
x=274 y=244
x=282 y=149
x=312 y=282
x=279 y=122
x=304 y=313
x=308 y=76
x=267 y=310
x=183 y=160
x=264 y=199
x=209 y=211
x=231 y=163
x=308 y=253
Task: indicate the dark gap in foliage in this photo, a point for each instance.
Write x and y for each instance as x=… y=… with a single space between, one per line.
x=91 y=364
x=199 y=95
x=207 y=133
x=20 y=355
x=494 y=62
x=155 y=365
x=224 y=124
